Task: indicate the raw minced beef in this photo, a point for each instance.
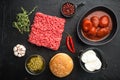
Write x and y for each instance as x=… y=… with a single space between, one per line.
x=47 y=31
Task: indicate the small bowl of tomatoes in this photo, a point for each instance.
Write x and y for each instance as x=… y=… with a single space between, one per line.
x=98 y=26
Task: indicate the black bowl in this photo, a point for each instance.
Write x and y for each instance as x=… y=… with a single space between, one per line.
x=99 y=54
x=108 y=38
x=68 y=16
x=32 y=56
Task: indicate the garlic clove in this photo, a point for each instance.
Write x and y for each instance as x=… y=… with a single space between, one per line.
x=23 y=54
x=18 y=45
x=16 y=53
x=19 y=55
x=15 y=49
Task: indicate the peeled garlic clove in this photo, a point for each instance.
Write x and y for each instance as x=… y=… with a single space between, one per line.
x=24 y=49
x=21 y=52
x=84 y=59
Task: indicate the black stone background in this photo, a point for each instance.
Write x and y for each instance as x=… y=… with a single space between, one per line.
x=12 y=68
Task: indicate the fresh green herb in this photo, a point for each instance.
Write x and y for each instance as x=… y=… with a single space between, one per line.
x=23 y=22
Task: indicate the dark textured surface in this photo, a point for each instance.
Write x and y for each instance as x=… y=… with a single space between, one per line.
x=12 y=68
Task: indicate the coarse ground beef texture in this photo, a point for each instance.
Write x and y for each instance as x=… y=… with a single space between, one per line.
x=47 y=31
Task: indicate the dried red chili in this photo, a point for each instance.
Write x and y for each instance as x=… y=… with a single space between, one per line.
x=68 y=9
x=70 y=44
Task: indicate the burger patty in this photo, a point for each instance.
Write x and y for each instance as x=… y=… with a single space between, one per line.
x=47 y=31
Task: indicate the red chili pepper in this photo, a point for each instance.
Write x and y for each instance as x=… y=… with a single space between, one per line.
x=70 y=44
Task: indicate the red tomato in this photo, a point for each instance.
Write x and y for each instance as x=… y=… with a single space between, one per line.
x=87 y=25
x=103 y=32
x=92 y=31
x=95 y=21
x=104 y=21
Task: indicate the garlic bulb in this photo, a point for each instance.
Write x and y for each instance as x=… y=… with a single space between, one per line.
x=19 y=50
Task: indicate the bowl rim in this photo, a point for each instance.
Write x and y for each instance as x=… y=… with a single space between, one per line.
x=99 y=54
x=31 y=57
x=92 y=42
